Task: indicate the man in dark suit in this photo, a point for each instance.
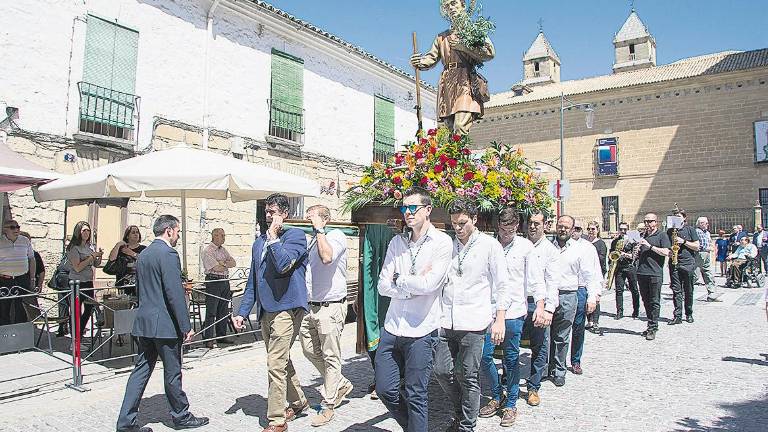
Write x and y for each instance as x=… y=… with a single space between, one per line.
x=162 y=323
x=277 y=283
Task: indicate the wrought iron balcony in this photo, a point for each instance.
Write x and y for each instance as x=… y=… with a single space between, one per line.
x=108 y=112
x=286 y=121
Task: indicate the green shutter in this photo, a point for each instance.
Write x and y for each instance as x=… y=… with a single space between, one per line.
x=383 y=125
x=109 y=73
x=287 y=91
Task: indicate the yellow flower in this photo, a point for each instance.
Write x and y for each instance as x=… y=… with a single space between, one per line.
x=366 y=180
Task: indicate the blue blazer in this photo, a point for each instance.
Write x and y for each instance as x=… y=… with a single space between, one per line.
x=162 y=311
x=277 y=281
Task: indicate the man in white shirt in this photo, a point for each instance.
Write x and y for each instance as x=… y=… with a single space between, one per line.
x=321 y=328
x=477 y=275
x=412 y=276
x=578 y=264
x=525 y=276
x=541 y=305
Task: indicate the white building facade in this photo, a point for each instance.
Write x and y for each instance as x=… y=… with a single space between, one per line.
x=96 y=81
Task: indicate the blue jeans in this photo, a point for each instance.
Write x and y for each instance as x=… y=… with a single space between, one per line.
x=412 y=358
x=539 y=338
x=511 y=345
x=577 y=346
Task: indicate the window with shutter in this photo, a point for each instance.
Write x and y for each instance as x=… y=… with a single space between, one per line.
x=287 y=97
x=383 y=128
x=107 y=99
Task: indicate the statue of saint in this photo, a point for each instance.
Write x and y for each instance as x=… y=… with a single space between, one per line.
x=461 y=90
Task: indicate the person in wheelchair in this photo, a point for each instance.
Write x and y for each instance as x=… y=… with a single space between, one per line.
x=740 y=259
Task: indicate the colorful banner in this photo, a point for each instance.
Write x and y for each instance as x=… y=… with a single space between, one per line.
x=607 y=157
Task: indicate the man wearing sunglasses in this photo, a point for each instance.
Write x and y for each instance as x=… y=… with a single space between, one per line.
x=681 y=274
x=17 y=269
x=626 y=274
x=412 y=276
x=654 y=248
x=476 y=297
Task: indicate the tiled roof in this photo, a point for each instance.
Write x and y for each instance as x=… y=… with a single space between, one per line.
x=727 y=61
x=540 y=48
x=335 y=39
x=633 y=28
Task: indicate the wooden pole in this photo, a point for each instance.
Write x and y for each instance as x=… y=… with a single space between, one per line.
x=420 y=130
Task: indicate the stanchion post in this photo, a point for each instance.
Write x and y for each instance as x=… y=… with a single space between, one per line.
x=74 y=311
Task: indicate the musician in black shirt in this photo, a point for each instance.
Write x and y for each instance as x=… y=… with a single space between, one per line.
x=654 y=248
x=681 y=275
x=626 y=273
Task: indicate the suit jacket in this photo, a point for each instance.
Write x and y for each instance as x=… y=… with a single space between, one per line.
x=278 y=275
x=162 y=311
x=735 y=239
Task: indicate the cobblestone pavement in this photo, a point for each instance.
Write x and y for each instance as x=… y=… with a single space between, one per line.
x=706 y=376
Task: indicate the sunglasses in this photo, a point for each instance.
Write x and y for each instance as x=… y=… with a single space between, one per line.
x=413 y=208
x=13 y=226
x=649 y=220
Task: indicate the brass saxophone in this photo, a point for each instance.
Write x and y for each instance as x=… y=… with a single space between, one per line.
x=675 y=248
x=614 y=258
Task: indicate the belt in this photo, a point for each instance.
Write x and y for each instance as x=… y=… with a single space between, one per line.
x=217 y=276
x=2 y=276
x=456 y=65
x=327 y=303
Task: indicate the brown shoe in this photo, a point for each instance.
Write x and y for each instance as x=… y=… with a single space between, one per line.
x=323 y=417
x=508 y=417
x=342 y=392
x=491 y=409
x=576 y=369
x=276 y=428
x=533 y=398
x=294 y=410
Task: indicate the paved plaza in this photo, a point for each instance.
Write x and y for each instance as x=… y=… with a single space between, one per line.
x=707 y=376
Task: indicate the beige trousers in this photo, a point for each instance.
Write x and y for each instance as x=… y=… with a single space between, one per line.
x=460 y=123
x=279 y=330
x=321 y=340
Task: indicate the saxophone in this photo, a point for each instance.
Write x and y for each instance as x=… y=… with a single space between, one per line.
x=614 y=258
x=675 y=248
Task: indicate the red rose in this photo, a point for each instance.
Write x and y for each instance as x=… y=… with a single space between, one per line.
x=452 y=163
x=419 y=155
x=456 y=138
x=432 y=132
x=397 y=180
x=424 y=180
x=398 y=158
x=443 y=158
x=432 y=150
x=388 y=172
x=469 y=175
x=465 y=151
x=438 y=169
x=423 y=141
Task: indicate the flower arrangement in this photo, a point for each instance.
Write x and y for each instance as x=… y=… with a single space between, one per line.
x=443 y=164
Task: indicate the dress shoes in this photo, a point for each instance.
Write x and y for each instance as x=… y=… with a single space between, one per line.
x=650 y=335
x=713 y=299
x=294 y=410
x=210 y=345
x=490 y=409
x=635 y=314
x=508 y=417
x=533 y=397
x=689 y=319
x=135 y=429
x=276 y=428
x=190 y=422
x=675 y=321
x=576 y=369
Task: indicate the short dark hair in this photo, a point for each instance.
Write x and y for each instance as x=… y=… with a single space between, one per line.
x=128 y=232
x=681 y=212
x=280 y=200
x=509 y=215
x=534 y=213
x=164 y=222
x=623 y=223
x=462 y=205
x=424 y=197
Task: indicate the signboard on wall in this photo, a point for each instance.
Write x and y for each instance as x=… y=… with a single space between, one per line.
x=761 y=141
x=606 y=157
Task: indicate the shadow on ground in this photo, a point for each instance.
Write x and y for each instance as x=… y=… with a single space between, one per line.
x=746 y=416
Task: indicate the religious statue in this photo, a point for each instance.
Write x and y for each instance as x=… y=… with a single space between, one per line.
x=462 y=48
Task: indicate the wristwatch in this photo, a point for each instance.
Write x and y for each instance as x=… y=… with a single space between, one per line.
x=320 y=230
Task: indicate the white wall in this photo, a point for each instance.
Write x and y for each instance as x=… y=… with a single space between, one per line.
x=338 y=95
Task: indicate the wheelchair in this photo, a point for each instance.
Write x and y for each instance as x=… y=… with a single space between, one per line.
x=751 y=275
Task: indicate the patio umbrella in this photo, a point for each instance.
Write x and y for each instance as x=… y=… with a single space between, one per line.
x=182 y=172
x=18 y=172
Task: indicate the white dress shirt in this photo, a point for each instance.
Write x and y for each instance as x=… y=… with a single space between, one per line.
x=415 y=307
x=469 y=293
x=580 y=266
x=328 y=282
x=549 y=260
x=526 y=276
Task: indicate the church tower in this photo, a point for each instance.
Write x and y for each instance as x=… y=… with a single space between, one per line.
x=634 y=45
x=541 y=65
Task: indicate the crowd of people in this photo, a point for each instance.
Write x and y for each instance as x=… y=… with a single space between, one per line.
x=455 y=304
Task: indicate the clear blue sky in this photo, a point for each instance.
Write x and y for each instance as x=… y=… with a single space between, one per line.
x=581 y=31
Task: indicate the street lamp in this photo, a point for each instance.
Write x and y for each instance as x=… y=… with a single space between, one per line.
x=590 y=120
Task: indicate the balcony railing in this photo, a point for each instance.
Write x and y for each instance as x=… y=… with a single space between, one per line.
x=108 y=112
x=286 y=121
x=383 y=148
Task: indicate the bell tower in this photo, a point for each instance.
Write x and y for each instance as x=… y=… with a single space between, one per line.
x=634 y=45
